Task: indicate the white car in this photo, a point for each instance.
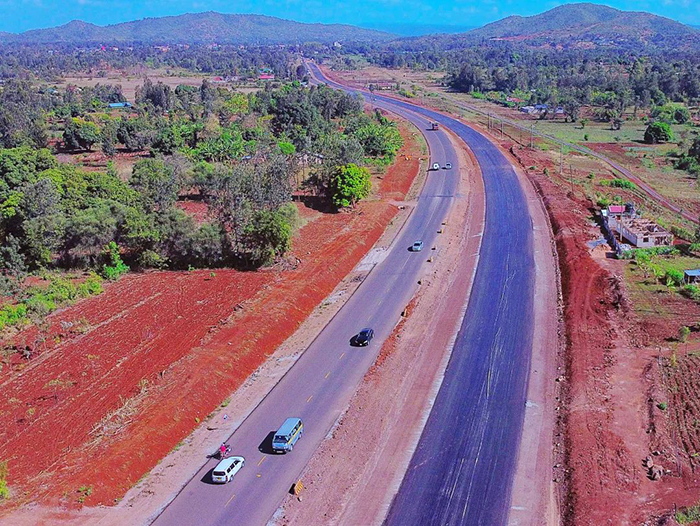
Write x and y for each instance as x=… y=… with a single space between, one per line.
x=448 y=166
x=226 y=469
x=436 y=166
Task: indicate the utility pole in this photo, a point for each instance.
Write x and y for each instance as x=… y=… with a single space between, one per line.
x=532 y=129
x=561 y=159
x=501 y=128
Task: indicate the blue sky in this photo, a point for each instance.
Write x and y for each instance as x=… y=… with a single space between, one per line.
x=20 y=15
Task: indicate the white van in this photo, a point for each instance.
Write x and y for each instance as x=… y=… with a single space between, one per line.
x=226 y=469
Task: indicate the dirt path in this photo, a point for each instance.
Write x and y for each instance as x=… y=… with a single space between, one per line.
x=382 y=424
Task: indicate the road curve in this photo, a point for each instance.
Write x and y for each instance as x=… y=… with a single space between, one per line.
x=319 y=386
x=463 y=467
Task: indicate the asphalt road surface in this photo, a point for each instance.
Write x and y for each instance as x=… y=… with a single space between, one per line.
x=319 y=386
x=462 y=470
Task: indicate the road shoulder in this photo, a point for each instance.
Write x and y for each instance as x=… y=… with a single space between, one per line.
x=533 y=499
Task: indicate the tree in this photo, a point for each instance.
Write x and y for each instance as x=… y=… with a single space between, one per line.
x=351 y=183
x=658 y=132
x=267 y=236
x=80 y=134
x=155 y=181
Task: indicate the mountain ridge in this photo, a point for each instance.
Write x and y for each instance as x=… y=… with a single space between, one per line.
x=580 y=25
x=192 y=28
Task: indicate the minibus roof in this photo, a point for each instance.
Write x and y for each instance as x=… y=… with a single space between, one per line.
x=288 y=426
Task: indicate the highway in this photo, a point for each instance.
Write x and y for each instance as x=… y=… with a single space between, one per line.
x=319 y=386
x=463 y=467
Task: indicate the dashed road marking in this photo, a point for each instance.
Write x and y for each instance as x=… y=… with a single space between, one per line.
x=309 y=399
x=229 y=500
x=327 y=375
x=261 y=461
x=341 y=356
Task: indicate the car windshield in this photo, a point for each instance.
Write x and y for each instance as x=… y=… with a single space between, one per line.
x=280 y=438
x=219 y=473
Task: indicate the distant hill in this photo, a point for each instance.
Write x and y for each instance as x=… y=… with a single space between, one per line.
x=196 y=28
x=584 y=26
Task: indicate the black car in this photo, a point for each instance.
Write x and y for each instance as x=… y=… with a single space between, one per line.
x=362 y=338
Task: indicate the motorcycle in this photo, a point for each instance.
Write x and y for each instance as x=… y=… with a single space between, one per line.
x=224 y=452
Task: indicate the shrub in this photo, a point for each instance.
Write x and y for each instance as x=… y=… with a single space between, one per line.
x=11 y=315
x=674 y=277
x=682 y=233
x=688 y=515
x=619 y=183
x=4 y=491
x=151 y=259
x=114 y=266
x=658 y=132
x=683 y=333
x=91 y=286
x=692 y=292
x=604 y=201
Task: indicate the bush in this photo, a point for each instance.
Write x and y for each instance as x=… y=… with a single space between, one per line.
x=619 y=183
x=692 y=292
x=151 y=259
x=268 y=236
x=114 y=266
x=688 y=515
x=674 y=277
x=682 y=233
x=11 y=315
x=658 y=132
x=4 y=471
x=350 y=184
x=91 y=286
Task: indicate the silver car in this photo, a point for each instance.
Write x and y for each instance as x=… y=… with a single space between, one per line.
x=417 y=246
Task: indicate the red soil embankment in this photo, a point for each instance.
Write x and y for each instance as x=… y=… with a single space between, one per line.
x=117 y=380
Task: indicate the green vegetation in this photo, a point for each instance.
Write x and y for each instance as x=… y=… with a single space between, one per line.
x=350 y=184
x=671 y=113
x=84 y=492
x=688 y=515
x=4 y=490
x=619 y=183
x=239 y=154
x=114 y=266
x=40 y=301
x=658 y=132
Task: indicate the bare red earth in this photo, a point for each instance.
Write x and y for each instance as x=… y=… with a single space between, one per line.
x=116 y=381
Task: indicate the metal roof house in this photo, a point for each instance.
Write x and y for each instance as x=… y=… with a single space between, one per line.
x=691 y=276
x=120 y=105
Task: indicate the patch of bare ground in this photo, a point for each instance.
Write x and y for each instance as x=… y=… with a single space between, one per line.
x=381 y=426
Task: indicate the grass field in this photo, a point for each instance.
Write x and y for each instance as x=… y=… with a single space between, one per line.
x=631 y=131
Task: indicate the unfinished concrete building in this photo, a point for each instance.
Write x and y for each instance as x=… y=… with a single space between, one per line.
x=628 y=226
x=639 y=232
